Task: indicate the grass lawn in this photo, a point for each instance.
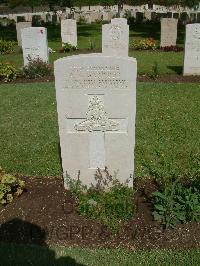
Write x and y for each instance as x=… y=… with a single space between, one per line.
x=168 y=62
x=167 y=129
x=16 y=255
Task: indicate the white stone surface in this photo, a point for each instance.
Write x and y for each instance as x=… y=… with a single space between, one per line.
x=192 y=50
x=34 y=44
x=96 y=104
x=115 y=39
x=121 y=21
x=168 y=32
x=69 y=31
x=19 y=27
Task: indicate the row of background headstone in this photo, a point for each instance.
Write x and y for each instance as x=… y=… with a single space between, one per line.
x=115 y=40
x=91 y=16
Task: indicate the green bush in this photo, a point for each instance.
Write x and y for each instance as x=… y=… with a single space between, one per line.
x=36 y=68
x=176 y=203
x=109 y=202
x=10 y=186
x=7 y=47
x=7 y=72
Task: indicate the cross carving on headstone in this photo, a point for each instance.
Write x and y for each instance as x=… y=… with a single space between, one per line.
x=97 y=124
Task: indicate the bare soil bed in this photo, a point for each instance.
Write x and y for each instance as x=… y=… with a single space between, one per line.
x=45 y=214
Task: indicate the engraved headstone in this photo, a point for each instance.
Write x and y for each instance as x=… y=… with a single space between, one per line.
x=69 y=31
x=168 y=32
x=34 y=44
x=19 y=27
x=96 y=104
x=115 y=39
x=192 y=50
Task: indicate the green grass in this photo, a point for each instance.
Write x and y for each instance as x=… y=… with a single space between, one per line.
x=167 y=129
x=168 y=62
x=17 y=255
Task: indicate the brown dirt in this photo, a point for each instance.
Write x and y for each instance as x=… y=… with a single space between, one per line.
x=141 y=78
x=45 y=214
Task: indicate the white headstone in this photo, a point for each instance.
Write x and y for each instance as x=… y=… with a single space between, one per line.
x=192 y=50
x=96 y=104
x=168 y=32
x=19 y=27
x=34 y=44
x=69 y=31
x=115 y=39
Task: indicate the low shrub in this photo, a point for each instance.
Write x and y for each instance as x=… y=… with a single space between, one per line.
x=109 y=202
x=8 y=72
x=7 y=47
x=176 y=203
x=144 y=44
x=171 y=49
x=67 y=47
x=10 y=186
x=36 y=68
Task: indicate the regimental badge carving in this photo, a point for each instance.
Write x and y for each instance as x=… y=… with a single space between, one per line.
x=115 y=32
x=96 y=118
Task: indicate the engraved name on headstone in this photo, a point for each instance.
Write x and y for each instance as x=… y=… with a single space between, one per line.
x=192 y=50
x=69 y=31
x=34 y=44
x=96 y=104
x=168 y=32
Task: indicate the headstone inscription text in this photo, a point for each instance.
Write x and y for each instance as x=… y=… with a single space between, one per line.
x=96 y=114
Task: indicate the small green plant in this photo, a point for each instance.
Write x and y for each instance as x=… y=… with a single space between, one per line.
x=7 y=47
x=109 y=202
x=36 y=68
x=92 y=44
x=67 y=47
x=8 y=72
x=155 y=70
x=10 y=186
x=176 y=203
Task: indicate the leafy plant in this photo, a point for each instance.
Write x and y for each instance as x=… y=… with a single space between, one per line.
x=67 y=47
x=176 y=203
x=8 y=72
x=144 y=44
x=7 y=47
x=10 y=186
x=36 y=68
x=109 y=202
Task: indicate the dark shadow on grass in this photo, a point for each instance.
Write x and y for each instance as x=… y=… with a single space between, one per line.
x=17 y=232
x=177 y=69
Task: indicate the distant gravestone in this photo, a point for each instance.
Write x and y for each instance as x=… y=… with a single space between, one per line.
x=19 y=27
x=34 y=44
x=96 y=104
x=69 y=31
x=192 y=50
x=168 y=32
x=117 y=21
x=115 y=39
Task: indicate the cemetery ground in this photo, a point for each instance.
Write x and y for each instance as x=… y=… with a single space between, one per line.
x=167 y=146
x=89 y=40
